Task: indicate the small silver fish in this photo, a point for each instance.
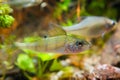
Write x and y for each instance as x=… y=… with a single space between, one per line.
x=91 y=27
x=59 y=44
x=22 y=3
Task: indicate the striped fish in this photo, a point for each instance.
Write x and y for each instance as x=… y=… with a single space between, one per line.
x=58 y=44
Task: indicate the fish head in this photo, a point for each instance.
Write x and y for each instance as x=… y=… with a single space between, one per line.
x=77 y=45
x=109 y=24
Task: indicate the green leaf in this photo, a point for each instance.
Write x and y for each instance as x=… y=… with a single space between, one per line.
x=5 y=9
x=25 y=62
x=56 y=66
x=42 y=55
x=32 y=39
x=68 y=69
x=61 y=6
x=46 y=56
x=64 y=5
x=6 y=21
x=68 y=23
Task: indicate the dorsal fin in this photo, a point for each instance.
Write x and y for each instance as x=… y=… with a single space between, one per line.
x=55 y=30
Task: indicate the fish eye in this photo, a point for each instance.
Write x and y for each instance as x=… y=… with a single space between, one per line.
x=79 y=43
x=113 y=23
x=45 y=36
x=110 y=25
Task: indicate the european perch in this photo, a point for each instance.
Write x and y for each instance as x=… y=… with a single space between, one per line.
x=63 y=44
x=91 y=27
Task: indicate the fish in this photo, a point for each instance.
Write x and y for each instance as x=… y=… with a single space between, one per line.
x=91 y=27
x=18 y=4
x=62 y=44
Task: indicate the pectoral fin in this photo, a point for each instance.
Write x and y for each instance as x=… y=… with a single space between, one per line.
x=103 y=34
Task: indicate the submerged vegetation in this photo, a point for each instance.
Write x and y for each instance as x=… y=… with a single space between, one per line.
x=5 y=19
x=32 y=26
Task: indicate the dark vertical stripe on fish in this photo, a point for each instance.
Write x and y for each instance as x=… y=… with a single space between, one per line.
x=46 y=43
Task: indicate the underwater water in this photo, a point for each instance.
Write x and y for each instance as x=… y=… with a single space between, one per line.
x=59 y=39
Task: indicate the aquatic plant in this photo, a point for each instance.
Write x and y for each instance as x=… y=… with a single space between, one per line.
x=6 y=20
x=39 y=64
